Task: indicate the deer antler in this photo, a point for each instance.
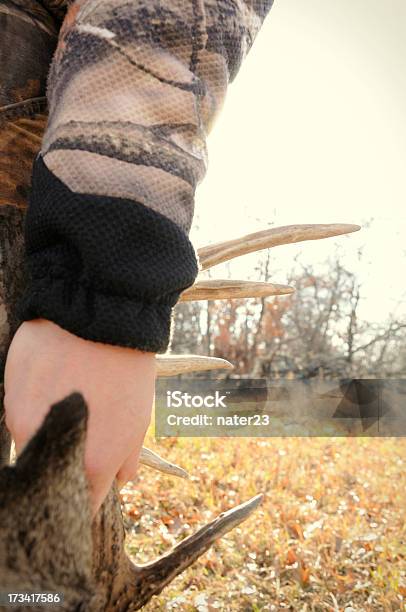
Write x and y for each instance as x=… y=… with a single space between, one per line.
x=229 y=289
x=150 y=579
x=128 y=586
x=151 y=459
x=172 y=365
x=223 y=251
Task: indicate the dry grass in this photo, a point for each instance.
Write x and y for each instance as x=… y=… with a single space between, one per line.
x=330 y=534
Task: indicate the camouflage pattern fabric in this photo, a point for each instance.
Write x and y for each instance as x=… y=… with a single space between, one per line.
x=134 y=90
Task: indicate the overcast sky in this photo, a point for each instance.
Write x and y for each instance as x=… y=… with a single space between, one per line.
x=314 y=131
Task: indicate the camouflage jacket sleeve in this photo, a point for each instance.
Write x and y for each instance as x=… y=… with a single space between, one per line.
x=133 y=91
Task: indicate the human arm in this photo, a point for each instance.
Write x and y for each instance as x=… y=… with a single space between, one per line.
x=133 y=92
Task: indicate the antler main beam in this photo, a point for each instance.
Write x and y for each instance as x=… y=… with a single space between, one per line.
x=288 y=234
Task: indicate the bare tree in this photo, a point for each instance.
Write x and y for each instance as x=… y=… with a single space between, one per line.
x=316 y=331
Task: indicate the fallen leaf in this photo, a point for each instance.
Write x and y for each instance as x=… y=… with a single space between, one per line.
x=296 y=530
x=291 y=557
x=304 y=575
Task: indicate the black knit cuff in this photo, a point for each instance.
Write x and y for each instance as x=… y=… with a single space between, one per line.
x=103 y=268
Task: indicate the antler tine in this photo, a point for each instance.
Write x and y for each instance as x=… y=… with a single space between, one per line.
x=150 y=579
x=222 y=251
x=152 y=460
x=229 y=289
x=172 y=365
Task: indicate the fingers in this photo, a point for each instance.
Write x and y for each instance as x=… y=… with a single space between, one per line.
x=21 y=428
x=101 y=477
x=114 y=443
x=128 y=470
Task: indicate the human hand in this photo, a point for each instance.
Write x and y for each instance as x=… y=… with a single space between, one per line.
x=45 y=363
